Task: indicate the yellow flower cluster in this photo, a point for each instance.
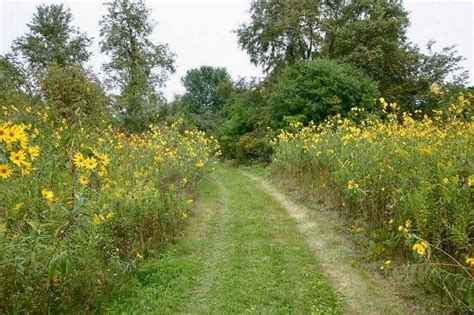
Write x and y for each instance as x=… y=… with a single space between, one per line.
x=100 y=218
x=96 y=162
x=352 y=184
x=15 y=149
x=420 y=247
x=409 y=164
x=97 y=193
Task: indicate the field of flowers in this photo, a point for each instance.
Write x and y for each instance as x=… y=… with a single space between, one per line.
x=81 y=204
x=405 y=182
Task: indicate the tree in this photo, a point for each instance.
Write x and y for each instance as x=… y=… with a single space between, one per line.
x=203 y=89
x=12 y=76
x=315 y=90
x=368 y=34
x=52 y=40
x=243 y=135
x=282 y=32
x=138 y=67
x=74 y=94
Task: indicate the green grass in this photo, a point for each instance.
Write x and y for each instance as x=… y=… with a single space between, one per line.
x=241 y=253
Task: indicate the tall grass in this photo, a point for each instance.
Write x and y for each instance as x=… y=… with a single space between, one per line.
x=80 y=205
x=407 y=181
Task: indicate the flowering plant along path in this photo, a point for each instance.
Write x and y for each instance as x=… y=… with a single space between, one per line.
x=250 y=249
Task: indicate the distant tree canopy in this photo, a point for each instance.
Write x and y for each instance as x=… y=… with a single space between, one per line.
x=52 y=40
x=12 y=76
x=203 y=86
x=315 y=90
x=370 y=35
x=282 y=32
x=243 y=133
x=138 y=66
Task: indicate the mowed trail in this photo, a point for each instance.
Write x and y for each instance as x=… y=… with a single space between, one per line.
x=363 y=293
x=250 y=249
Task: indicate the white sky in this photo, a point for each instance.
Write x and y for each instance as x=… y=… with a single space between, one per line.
x=200 y=32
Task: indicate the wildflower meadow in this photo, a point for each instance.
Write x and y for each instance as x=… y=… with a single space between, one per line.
x=406 y=182
x=148 y=167
x=83 y=204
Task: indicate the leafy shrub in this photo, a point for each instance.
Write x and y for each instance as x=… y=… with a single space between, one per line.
x=253 y=147
x=409 y=181
x=315 y=90
x=80 y=206
x=245 y=127
x=73 y=94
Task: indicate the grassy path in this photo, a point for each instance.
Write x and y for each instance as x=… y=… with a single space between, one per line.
x=247 y=250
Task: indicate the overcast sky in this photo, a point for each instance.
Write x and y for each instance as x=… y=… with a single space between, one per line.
x=200 y=32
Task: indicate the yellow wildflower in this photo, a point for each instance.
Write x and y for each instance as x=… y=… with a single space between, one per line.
x=3 y=132
x=352 y=184
x=83 y=180
x=79 y=159
x=25 y=168
x=90 y=163
x=48 y=195
x=103 y=159
x=425 y=150
x=33 y=152
x=470 y=180
x=109 y=215
x=18 y=157
x=102 y=171
x=199 y=164
x=435 y=88
x=470 y=261
x=96 y=220
x=5 y=171
x=11 y=134
x=420 y=247
x=159 y=159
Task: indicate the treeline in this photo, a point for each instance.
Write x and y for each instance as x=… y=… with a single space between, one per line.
x=321 y=58
x=48 y=64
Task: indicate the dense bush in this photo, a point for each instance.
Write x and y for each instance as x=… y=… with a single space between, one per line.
x=407 y=182
x=80 y=205
x=315 y=90
x=246 y=125
x=253 y=147
x=72 y=94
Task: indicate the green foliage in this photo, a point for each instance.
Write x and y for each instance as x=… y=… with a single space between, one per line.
x=73 y=94
x=370 y=35
x=281 y=32
x=138 y=66
x=12 y=77
x=205 y=89
x=315 y=90
x=52 y=39
x=254 y=147
x=247 y=117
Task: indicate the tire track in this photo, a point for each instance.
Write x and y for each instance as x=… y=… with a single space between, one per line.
x=363 y=293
